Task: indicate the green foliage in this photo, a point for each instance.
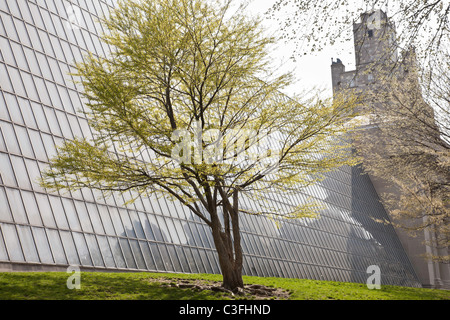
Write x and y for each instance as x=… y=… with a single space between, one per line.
x=181 y=66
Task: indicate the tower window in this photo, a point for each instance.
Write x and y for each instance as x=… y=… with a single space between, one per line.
x=370 y=32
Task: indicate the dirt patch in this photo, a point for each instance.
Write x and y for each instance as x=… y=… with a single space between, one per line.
x=251 y=291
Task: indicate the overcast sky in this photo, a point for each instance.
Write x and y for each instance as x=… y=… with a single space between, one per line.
x=311 y=70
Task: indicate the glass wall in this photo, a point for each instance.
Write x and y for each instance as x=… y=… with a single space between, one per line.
x=39 y=104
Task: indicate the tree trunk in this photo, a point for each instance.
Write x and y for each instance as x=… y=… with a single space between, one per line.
x=232 y=277
x=230 y=267
x=228 y=245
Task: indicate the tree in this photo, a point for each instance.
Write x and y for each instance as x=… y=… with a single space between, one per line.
x=313 y=24
x=185 y=107
x=408 y=103
x=408 y=146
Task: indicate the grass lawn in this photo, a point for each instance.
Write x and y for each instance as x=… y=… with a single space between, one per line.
x=137 y=286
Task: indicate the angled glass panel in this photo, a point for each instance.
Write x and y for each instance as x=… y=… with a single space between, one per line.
x=180 y=231
x=106 y=252
x=182 y=257
x=28 y=245
x=65 y=98
x=2 y=28
x=43 y=65
x=4 y=114
x=3 y=252
x=190 y=260
x=69 y=247
x=60 y=28
x=53 y=91
x=75 y=126
x=24 y=140
x=76 y=102
x=106 y=220
x=19 y=56
x=117 y=252
x=27 y=113
x=205 y=260
x=117 y=222
x=199 y=262
x=12 y=242
x=147 y=255
x=95 y=218
x=163 y=228
x=45 y=210
x=16 y=205
x=56 y=246
x=56 y=72
x=26 y=14
x=146 y=226
x=49 y=144
x=59 y=52
x=7 y=52
x=36 y=15
x=71 y=214
x=13 y=107
x=4 y=5
x=16 y=81
x=21 y=172
x=128 y=254
x=5 y=81
x=94 y=250
x=67 y=79
x=127 y=223
x=42 y=245
x=204 y=235
x=155 y=227
x=138 y=254
x=52 y=121
x=83 y=216
x=172 y=231
x=157 y=256
x=45 y=40
x=166 y=257
x=137 y=224
x=9 y=26
x=58 y=212
x=48 y=21
x=45 y=99
x=34 y=174
x=32 y=209
x=7 y=172
x=40 y=117
x=193 y=234
x=174 y=258
x=5 y=212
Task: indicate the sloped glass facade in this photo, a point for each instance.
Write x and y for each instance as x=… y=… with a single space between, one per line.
x=39 y=40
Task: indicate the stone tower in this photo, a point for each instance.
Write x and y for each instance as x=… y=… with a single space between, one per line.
x=375 y=50
x=376 y=55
